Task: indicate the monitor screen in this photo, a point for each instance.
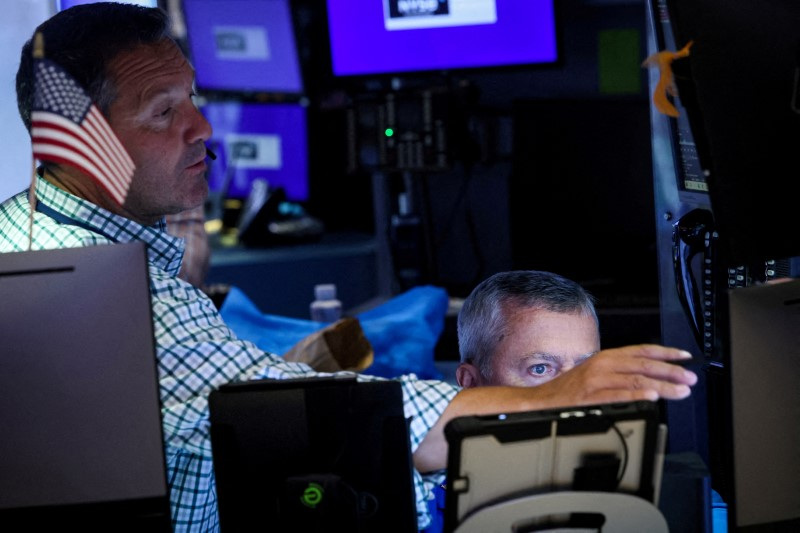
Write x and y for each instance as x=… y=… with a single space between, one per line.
x=764 y=355
x=739 y=87
x=243 y=45
x=65 y=4
x=82 y=440
x=370 y=37
x=316 y=454
x=258 y=141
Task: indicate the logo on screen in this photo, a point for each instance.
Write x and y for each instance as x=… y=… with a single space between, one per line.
x=244 y=150
x=257 y=151
x=424 y=14
x=245 y=43
x=416 y=8
x=230 y=42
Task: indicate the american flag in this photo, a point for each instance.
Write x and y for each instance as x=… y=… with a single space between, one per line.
x=66 y=127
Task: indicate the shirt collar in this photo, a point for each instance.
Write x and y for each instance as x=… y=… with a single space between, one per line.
x=163 y=250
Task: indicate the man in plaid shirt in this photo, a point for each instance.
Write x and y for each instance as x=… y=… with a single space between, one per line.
x=141 y=82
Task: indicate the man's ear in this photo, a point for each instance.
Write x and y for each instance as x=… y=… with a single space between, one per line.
x=467 y=375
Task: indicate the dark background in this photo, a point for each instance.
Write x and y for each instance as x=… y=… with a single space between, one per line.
x=548 y=166
x=548 y=169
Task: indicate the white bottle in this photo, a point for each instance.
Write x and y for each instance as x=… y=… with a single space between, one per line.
x=325 y=307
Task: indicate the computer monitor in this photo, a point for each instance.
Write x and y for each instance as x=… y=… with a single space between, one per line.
x=369 y=37
x=65 y=4
x=739 y=86
x=312 y=454
x=258 y=141
x=499 y=464
x=763 y=408
x=82 y=445
x=243 y=46
x=734 y=156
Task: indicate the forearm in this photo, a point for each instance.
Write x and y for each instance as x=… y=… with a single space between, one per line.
x=432 y=452
x=624 y=374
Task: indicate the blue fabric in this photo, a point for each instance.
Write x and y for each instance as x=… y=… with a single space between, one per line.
x=719 y=513
x=436 y=507
x=403 y=331
x=272 y=333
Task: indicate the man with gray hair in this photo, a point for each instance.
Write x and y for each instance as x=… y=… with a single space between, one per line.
x=524 y=328
x=521 y=328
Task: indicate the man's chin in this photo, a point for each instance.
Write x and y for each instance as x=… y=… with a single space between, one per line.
x=191 y=202
x=199 y=192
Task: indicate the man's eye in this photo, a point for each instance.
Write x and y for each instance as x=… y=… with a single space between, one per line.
x=165 y=112
x=539 y=370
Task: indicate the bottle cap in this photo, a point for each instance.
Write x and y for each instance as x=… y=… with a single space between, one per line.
x=325 y=291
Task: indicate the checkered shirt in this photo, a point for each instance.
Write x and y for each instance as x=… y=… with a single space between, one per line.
x=196 y=351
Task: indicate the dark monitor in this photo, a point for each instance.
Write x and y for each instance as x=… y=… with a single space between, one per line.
x=395 y=36
x=243 y=46
x=566 y=153
x=740 y=89
x=258 y=141
x=82 y=444
x=315 y=454
x=763 y=408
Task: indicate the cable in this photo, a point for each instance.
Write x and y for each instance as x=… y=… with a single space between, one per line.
x=624 y=465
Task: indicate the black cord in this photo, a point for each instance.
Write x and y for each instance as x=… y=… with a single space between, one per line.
x=460 y=195
x=476 y=247
x=624 y=452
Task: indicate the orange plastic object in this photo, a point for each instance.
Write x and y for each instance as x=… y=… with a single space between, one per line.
x=666 y=82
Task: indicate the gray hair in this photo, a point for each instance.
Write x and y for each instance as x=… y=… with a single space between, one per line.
x=483 y=319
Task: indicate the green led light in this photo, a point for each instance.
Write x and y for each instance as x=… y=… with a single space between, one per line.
x=389 y=132
x=312 y=495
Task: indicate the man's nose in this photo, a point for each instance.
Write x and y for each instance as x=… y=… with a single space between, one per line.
x=200 y=129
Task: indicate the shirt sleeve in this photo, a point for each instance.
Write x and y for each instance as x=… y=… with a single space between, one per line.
x=197 y=353
x=425 y=401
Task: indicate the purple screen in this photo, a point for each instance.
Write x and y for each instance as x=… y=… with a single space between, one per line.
x=387 y=36
x=66 y=4
x=243 y=45
x=258 y=141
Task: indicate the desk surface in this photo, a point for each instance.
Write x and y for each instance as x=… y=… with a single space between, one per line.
x=329 y=246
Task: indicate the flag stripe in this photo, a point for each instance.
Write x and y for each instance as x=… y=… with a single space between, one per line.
x=98 y=123
x=99 y=129
x=51 y=152
x=68 y=128
x=47 y=139
x=60 y=127
x=105 y=151
x=89 y=137
x=69 y=134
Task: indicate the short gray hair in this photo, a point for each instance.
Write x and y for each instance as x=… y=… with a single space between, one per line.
x=483 y=319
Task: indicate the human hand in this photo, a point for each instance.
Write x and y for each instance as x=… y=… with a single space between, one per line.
x=630 y=373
